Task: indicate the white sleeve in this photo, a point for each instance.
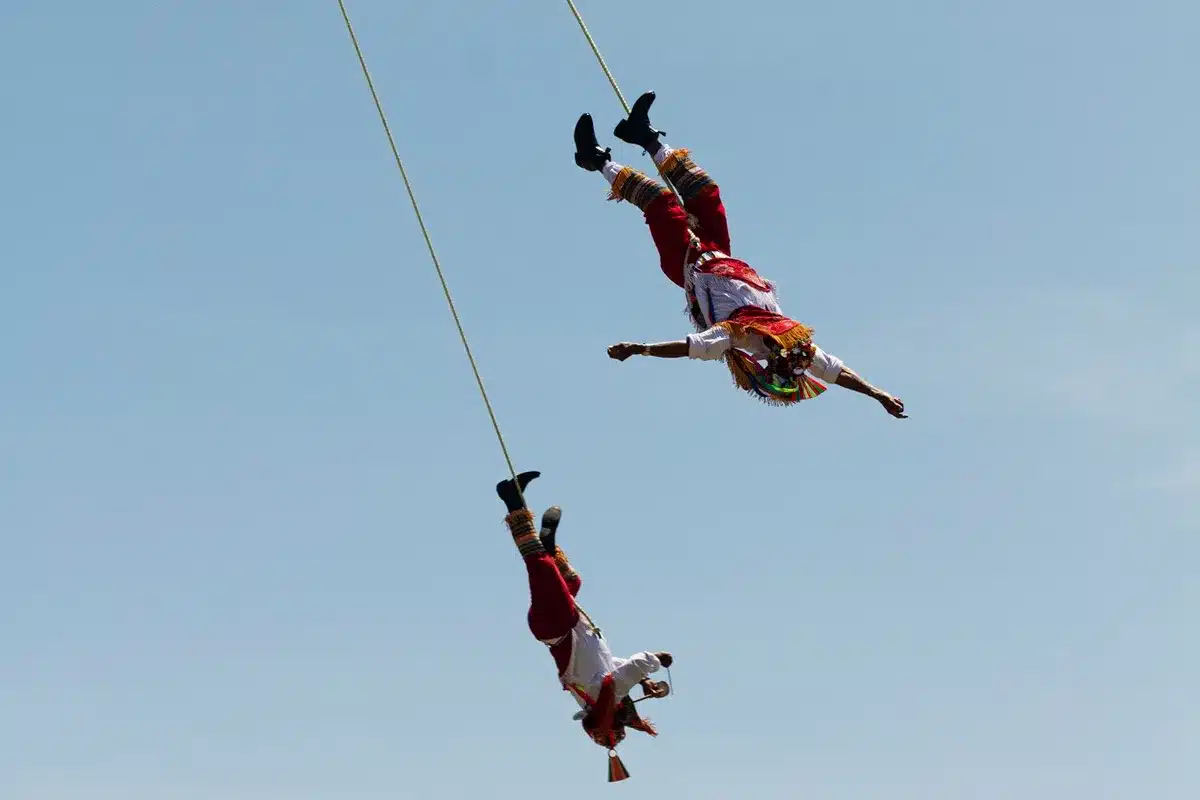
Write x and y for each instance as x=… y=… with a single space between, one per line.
x=825 y=366
x=629 y=674
x=710 y=345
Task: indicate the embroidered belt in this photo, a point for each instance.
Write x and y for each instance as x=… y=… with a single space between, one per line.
x=711 y=255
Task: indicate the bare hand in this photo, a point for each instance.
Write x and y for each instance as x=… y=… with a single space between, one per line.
x=665 y=659
x=624 y=350
x=656 y=689
x=893 y=406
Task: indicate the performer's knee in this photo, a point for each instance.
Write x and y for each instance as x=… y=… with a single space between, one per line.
x=550 y=626
x=552 y=609
x=665 y=208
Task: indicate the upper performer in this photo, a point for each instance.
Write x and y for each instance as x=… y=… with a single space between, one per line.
x=733 y=308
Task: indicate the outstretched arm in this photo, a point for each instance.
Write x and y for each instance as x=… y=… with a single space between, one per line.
x=632 y=672
x=622 y=351
x=710 y=345
x=849 y=379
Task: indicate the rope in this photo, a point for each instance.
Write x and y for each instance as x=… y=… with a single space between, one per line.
x=620 y=96
x=607 y=73
x=462 y=334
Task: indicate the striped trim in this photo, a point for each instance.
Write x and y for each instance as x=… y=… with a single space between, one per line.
x=637 y=188
x=525 y=536
x=529 y=545
x=687 y=177
x=711 y=255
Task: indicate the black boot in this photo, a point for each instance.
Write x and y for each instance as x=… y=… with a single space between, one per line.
x=588 y=154
x=550 y=521
x=508 y=490
x=636 y=128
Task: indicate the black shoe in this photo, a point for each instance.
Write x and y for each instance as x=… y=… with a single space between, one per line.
x=508 y=491
x=550 y=521
x=588 y=154
x=636 y=128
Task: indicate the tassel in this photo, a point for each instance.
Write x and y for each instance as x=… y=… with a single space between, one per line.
x=810 y=388
x=616 y=769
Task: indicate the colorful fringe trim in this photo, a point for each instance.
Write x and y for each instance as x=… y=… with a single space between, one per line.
x=752 y=377
x=684 y=173
x=749 y=376
x=525 y=536
x=636 y=187
x=564 y=566
x=797 y=337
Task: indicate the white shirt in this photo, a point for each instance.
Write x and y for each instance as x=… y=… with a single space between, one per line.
x=719 y=296
x=715 y=342
x=592 y=661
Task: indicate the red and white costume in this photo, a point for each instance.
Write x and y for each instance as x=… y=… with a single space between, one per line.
x=581 y=655
x=730 y=304
x=586 y=667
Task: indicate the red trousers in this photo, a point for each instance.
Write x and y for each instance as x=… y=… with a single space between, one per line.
x=668 y=221
x=552 y=611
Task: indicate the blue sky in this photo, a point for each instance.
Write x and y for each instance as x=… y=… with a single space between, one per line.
x=251 y=545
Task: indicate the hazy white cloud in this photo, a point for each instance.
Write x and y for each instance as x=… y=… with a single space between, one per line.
x=1123 y=369
x=1113 y=360
x=1180 y=476
x=1090 y=356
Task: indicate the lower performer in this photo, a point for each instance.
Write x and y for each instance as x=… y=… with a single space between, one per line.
x=586 y=667
x=733 y=309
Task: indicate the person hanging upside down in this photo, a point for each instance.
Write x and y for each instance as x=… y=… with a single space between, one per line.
x=586 y=668
x=733 y=308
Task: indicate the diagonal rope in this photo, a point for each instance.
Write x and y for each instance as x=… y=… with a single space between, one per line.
x=608 y=74
x=596 y=50
x=437 y=265
x=620 y=96
x=617 y=89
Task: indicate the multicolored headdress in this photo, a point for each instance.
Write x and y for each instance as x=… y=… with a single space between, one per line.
x=771 y=385
x=783 y=380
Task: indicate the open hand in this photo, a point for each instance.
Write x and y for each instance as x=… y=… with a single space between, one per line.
x=893 y=406
x=624 y=350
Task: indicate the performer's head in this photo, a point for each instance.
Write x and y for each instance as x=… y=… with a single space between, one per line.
x=790 y=362
x=625 y=716
x=605 y=738
x=786 y=368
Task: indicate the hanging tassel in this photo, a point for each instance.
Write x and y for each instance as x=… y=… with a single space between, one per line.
x=616 y=769
x=810 y=388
